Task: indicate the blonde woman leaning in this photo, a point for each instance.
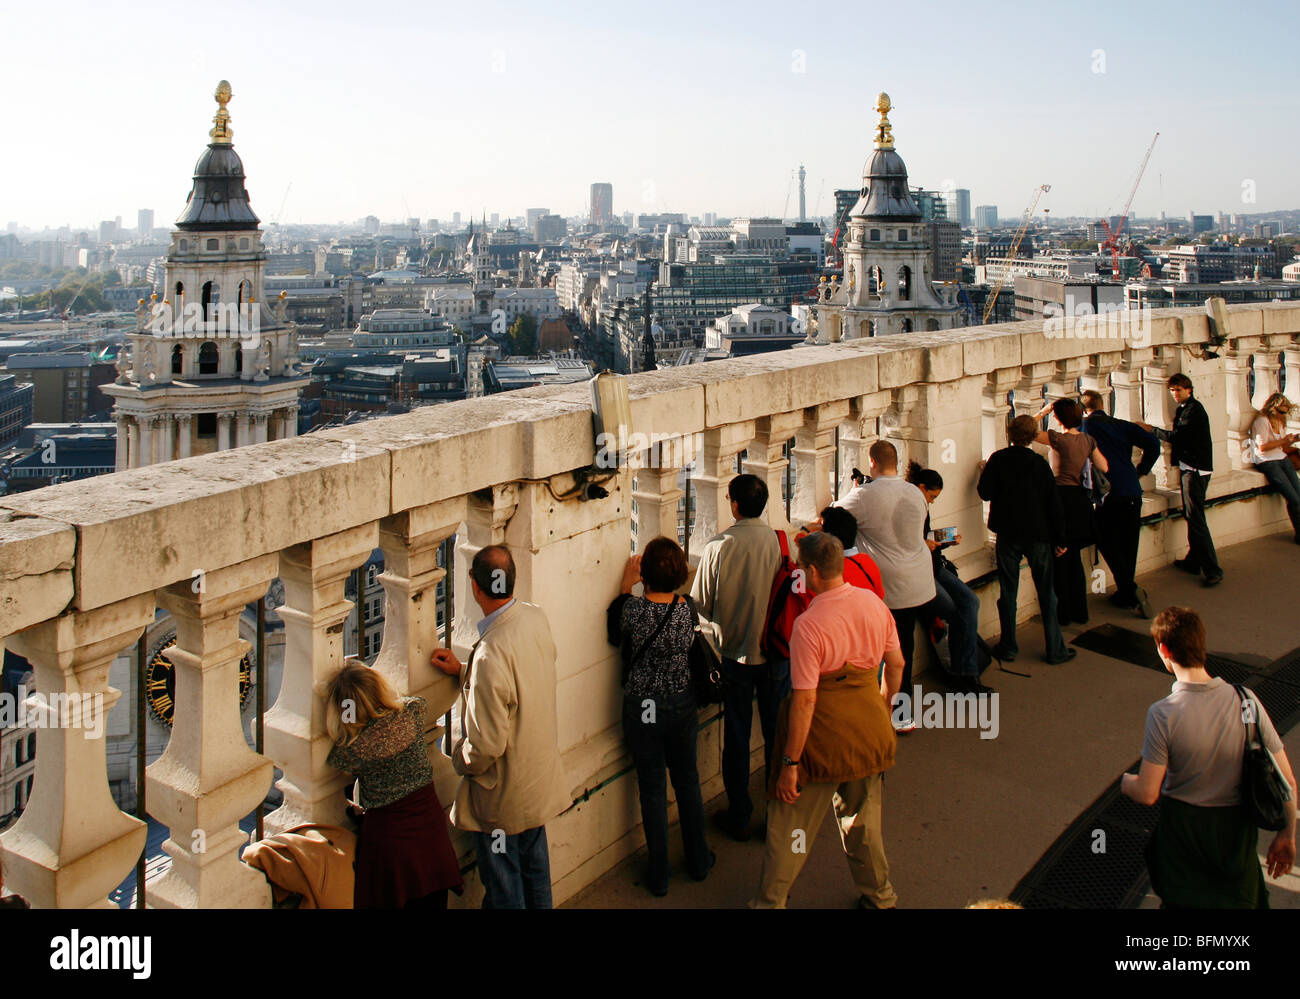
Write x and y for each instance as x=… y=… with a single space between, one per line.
x=1270 y=447
x=404 y=853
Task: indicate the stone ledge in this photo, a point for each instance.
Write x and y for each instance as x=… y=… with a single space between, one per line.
x=37 y=557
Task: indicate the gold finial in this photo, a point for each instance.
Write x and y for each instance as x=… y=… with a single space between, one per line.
x=884 y=133
x=221 y=130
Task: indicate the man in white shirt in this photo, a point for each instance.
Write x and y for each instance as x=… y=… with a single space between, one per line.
x=891 y=529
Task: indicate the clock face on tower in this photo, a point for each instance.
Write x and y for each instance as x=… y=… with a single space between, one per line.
x=160 y=683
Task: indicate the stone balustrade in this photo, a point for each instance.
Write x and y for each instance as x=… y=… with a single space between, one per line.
x=85 y=564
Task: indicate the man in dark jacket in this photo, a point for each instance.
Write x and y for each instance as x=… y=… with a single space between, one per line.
x=1026 y=514
x=1193 y=454
x=1119 y=518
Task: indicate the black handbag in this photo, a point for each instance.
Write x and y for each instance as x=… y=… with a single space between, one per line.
x=706 y=666
x=1264 y=792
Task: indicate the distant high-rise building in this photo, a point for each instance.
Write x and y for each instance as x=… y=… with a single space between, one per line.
x=534 y=214
x=933 y=204
x=455 y=220
x=803 y=217
x=413 y=224
x=986 y=216
x=372 y=225
x=549 y=229
x=496 y=218
x=959 y=207
x=1200 y=223
x=107 y=231
x=602 y=203
x=144 y=222
x=710 y=218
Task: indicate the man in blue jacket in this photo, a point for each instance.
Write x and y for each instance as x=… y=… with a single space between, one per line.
x=1119 y=519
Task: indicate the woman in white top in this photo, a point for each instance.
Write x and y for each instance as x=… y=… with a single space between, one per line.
x=1270 y=447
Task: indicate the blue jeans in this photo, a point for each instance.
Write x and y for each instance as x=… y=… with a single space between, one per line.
x=517 y=874
x=957 y=604
x=1282 y=477
x=1039 y=555
x=662 y=748
x=770 y=681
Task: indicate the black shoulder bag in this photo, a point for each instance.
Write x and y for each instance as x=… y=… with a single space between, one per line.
x=706 y=667
x=1264 y=792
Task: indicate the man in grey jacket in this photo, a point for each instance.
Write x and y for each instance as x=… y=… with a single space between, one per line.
x=507 y=751
x=733 y=583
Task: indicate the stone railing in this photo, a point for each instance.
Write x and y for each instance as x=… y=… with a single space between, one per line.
x=85 y=565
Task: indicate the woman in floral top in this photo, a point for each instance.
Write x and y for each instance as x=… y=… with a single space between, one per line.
x=660 y=720
x=404 y=854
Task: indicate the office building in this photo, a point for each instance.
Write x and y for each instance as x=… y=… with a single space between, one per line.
x=602 y=203
x=986 y=217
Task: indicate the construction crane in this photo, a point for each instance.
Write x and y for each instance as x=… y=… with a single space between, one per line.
x=1113 y=235
x=1011 y=253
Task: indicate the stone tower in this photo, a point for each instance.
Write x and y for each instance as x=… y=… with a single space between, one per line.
x=886 y=285
x=211 y=366
x=480 y=266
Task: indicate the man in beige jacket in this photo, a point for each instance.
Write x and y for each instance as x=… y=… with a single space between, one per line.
x=507 y=751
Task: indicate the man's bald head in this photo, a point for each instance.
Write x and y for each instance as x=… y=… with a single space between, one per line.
x=493 y=569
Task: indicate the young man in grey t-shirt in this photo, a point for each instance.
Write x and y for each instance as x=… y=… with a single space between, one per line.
x=1192 y=763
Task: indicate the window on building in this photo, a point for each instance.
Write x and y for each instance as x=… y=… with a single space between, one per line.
x=206 y=424
x=208 y=359
x=177 y=359
x=214 y=244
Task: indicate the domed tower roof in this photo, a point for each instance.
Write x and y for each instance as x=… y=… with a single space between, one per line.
x=885 y=193
x=218 y=199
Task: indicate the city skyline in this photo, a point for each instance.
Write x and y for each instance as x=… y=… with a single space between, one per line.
x=695 y=111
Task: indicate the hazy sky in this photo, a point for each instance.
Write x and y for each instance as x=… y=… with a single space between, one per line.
x=406 y=108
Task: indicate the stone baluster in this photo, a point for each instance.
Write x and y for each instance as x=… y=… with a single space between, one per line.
x=657 y=493
x=994 y=408
x=73 y=845
x=814 y=459
x=1291 y=371
x=1028 y=399
x=242 y=430
x=259 y=428
x=1126 y=381
x=1096 y=376
x=291 y=421
x=765 y=457
x=410 y=541
x=715 y=467
x=1239 y=399
x=858 y=432
x=208 y=778
x=1268 y=366
x=314 y=613
x=1158 y=409
x=487 y=514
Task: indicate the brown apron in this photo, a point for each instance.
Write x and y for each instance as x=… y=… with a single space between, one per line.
x=851 y=736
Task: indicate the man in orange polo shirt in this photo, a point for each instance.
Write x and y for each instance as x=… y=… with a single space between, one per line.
x=835 y=648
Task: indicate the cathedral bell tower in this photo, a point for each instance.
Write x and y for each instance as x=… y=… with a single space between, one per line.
x=886 y=285
x=211 y=366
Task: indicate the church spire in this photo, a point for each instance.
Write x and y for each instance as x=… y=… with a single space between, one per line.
x=884 y=131
x=221 y=130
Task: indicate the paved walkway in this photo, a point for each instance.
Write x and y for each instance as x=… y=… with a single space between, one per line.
x=966 y=818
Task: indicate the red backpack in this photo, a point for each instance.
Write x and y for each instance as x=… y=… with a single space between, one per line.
x=790 y=597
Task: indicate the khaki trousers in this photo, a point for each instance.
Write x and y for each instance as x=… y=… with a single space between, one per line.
x=791 y=830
